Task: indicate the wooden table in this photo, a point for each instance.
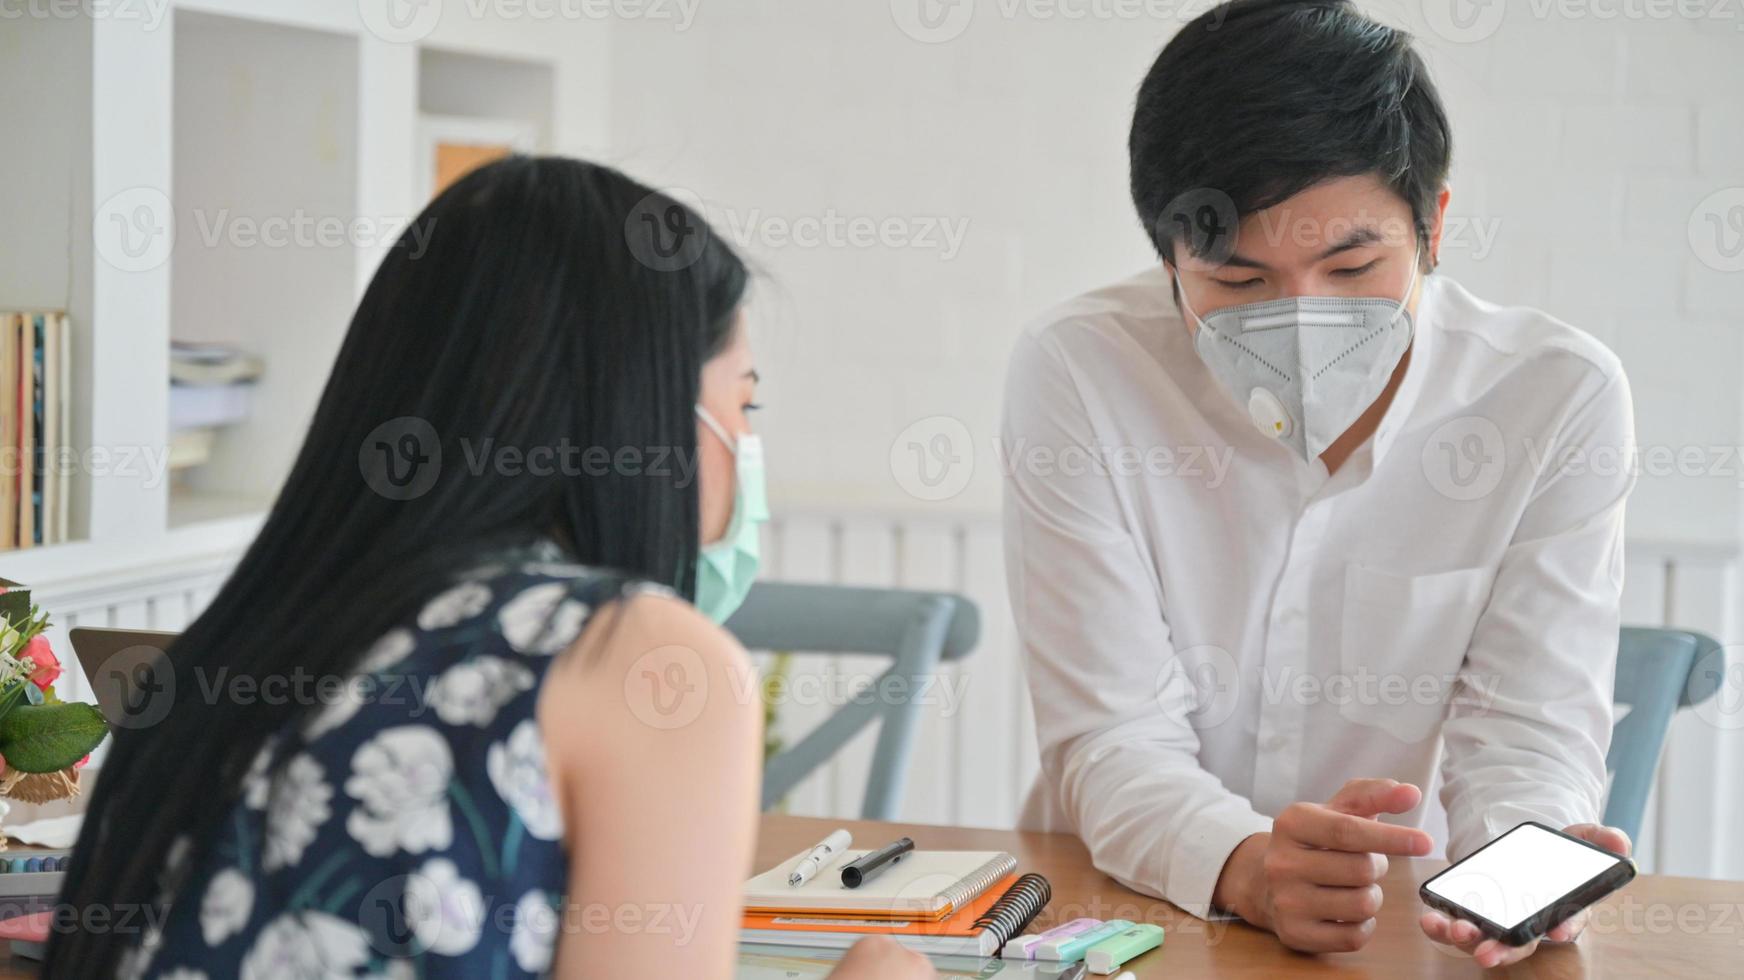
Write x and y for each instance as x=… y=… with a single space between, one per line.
x=1656 y=927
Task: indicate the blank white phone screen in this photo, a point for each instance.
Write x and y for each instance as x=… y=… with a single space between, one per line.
x=1522 y=872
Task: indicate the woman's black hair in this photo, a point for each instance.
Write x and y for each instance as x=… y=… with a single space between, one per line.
x=1255 y=101
x=543 y=306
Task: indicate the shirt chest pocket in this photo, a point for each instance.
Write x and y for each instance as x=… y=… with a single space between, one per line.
x=1404 y=638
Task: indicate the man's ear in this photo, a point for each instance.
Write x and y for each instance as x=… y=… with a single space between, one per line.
x=1440 y=226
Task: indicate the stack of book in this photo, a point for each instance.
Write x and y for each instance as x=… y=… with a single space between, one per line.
x=35 y=468
x=948 y=903
x=210 y=388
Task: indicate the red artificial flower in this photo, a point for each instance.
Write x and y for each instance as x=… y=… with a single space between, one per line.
x=47 y=666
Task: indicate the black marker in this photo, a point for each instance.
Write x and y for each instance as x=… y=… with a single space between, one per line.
x=866 y=865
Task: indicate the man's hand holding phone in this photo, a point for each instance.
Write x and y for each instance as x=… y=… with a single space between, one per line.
x=1490 y=952
x=1315 y=879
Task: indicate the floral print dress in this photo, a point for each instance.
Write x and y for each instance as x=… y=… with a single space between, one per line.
x=408 y=827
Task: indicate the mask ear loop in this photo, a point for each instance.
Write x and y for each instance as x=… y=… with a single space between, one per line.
x=1181 y=291
x=719 y=431
x=732 y=447
x=1416 y=274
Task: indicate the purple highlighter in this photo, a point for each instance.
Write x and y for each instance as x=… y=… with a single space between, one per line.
x=1024 y=947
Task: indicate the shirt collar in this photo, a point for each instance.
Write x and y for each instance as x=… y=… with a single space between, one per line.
x=1411 y=387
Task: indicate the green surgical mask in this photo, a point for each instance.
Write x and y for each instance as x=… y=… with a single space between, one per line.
x=726 y=569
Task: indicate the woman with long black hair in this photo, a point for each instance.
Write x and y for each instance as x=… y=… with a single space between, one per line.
x=503 y=744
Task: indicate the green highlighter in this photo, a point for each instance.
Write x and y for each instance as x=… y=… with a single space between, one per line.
x=1107 y=956
x=1070 y=950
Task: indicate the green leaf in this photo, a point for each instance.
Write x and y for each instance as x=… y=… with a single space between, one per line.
x=15 y=603
x=49 y=737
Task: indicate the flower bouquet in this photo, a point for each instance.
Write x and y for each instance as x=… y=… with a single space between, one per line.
x=44 y=741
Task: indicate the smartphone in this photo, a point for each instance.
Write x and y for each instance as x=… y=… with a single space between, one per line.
x=1520 y=885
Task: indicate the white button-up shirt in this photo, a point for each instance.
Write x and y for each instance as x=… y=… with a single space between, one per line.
x=1214 y=628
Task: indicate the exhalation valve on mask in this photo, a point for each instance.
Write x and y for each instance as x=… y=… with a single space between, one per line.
x=1306 y=367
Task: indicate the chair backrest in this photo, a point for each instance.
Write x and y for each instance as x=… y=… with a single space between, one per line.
x=1658 y=671
x=918 y=630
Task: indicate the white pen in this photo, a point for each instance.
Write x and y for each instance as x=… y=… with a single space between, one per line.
x=810 y=864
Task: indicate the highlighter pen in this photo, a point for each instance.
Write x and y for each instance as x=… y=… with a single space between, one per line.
x=1106 y=956
x=1020 y=947
x=1071 y=949
x=1026 y=946
x=871 y=863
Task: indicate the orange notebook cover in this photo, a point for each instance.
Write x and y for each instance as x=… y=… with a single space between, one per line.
x=979 y=928
x=958 y=923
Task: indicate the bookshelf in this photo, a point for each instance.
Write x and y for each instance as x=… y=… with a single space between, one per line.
x=230 y=122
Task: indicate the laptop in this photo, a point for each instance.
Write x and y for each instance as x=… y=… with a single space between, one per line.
x=128 y=671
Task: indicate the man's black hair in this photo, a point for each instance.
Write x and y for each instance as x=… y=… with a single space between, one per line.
x=1255 y=101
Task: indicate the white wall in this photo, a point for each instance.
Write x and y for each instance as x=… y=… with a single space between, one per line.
x=1584 y=145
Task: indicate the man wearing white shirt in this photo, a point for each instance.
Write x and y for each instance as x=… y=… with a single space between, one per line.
x=1279 y=558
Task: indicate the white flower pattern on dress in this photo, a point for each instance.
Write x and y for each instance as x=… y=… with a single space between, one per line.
x=256 y=787
x=360 y=687
x=135 y=960
x=132 y=962
x=332 y=714
x=174 y=866
x=554 y=569
x=306 y=945
x=225 y=909
x=400 y=780
x=543 y=619
x=535 y=933
x=458 y=805
x=394 y=646
x=473 y=691
x=649 y=588
x=455 y=606
x=296 y=811
x=395 y=969
x=517 y=770
x=446 y=911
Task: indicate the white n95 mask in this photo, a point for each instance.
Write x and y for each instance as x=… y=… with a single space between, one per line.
x=1305 y=366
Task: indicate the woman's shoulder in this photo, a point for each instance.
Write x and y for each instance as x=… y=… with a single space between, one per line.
x=653 y=665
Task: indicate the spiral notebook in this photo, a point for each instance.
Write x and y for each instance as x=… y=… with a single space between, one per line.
x=923 y=885
x=978 y=928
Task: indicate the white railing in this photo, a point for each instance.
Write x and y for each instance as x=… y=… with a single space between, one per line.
x=976 y=753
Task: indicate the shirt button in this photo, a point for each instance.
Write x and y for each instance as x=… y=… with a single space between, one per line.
x=1274 y=743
